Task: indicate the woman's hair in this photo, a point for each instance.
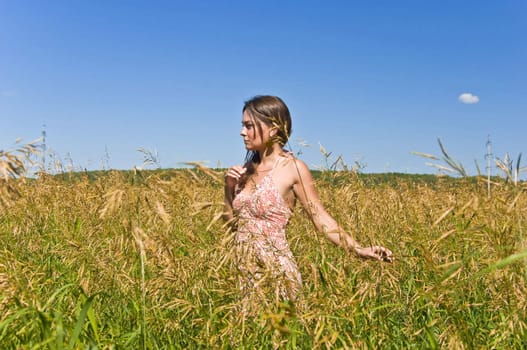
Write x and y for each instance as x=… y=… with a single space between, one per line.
x=273 y=112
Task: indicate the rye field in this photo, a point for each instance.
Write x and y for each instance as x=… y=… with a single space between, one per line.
x=141 y=260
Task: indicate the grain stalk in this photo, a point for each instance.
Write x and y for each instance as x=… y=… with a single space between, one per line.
x=452 y=166
x=511 y=171
x=138 y=236
x=14 y=165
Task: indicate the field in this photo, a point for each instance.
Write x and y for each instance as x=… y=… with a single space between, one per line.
x=141 y=259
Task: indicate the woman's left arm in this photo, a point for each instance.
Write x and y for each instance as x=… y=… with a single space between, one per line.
x=304 y=189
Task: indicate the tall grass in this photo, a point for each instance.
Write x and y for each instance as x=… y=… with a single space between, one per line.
x=141 y=260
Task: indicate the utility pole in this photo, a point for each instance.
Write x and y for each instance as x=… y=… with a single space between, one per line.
x=44 y=147
x=488 y=156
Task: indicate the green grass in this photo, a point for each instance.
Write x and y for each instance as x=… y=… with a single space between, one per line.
x=138 y=260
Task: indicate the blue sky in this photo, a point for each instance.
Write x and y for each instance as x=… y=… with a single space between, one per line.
x=369 y=80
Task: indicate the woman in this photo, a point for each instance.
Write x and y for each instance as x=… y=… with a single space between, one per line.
x=260 y=196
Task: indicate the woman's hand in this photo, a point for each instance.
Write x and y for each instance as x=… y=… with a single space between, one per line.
x=233 y=175
x=375 y=252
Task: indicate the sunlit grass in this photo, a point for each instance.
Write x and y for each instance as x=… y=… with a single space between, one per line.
x=141 y=260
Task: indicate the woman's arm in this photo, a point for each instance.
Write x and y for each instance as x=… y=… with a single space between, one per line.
x=228 y=215
x=304 y=189
x=232 y=178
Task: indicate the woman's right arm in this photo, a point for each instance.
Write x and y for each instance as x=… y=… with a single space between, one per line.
x=232 y=178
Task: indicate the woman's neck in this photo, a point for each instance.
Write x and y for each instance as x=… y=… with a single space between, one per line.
x=269 y=157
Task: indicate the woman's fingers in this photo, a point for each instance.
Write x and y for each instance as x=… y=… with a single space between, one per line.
x=382 y=253
x=377 y=253
x=234 y=173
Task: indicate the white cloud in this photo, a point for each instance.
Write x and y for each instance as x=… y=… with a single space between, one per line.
x=468 y=98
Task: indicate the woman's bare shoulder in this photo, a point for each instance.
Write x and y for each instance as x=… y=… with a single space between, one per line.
x=294 y=166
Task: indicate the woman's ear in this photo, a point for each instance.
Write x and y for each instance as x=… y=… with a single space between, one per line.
x=273 y=132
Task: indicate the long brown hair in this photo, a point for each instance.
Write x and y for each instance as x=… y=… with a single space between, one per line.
x=273 y=112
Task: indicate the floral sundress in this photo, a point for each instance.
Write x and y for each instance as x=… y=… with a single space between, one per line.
x=263 y=255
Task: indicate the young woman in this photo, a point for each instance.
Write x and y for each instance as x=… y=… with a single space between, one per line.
x=260 y=196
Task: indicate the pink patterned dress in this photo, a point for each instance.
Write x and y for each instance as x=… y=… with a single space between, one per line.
x=263 y=254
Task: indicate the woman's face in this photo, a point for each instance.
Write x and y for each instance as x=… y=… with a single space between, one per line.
x=255 y=133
